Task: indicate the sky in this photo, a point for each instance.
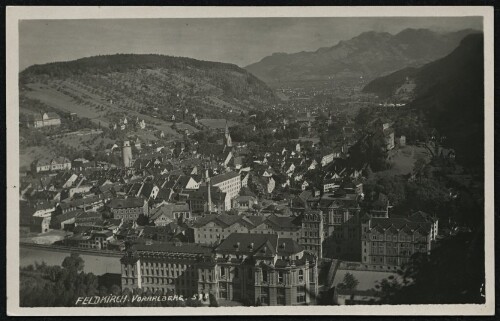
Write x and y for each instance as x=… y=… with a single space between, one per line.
x=240 y=41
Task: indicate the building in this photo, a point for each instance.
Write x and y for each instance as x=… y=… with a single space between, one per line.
x=312 y=235
x=168 y=213
x=172 y=268
x=42 y=120
x=90 y=240
x=305 y=229
x=392 y=241
x=128 y=209
x=337 y=209
x=127 y=154
x=54 y=164
x=244 y=202
x=255 y=269
x=40 y=224
x=213 y=228
x=208 y=200
x=229 y=183
x=265 y=269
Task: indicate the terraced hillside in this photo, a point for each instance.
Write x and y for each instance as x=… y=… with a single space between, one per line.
x=152 y=87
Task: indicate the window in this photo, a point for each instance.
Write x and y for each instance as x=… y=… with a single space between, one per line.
x=301 y=276
x=236 y=272
x=264 y=276
x=223 y=272
x=301 y=294
x=280 y=277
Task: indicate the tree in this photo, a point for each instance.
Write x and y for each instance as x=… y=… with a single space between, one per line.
x=349 y=282
x=73 y=262
x=142 y=220
x=363 y=117
x=419 y=166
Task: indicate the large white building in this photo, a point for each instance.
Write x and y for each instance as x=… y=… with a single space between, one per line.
x=229 y=183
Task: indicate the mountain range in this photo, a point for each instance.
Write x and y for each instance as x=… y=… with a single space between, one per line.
x=370 y=55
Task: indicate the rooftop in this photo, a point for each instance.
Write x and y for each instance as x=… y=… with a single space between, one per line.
x=223 y=177
x=126 y=202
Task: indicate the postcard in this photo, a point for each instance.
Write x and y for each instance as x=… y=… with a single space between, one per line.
x=250 y=161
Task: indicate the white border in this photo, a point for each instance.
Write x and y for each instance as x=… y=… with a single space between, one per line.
x=14 y=14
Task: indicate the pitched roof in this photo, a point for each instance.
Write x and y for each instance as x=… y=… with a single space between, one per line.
x=399 y=223
x=283 y=222
x=126 y=202
x=168 y=210
x=287 y=246
x=223 y=177
x=249 y=243
x=188 y=248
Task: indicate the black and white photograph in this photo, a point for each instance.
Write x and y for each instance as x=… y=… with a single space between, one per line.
x=180 y=160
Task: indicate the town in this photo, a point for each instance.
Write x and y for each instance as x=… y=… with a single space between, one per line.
x=348 y=175
x=274 y=224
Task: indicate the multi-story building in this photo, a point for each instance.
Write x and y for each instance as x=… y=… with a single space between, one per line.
x=311 y=230
x=337 y=209
x=128 y=209
x=182 y=269
x=305 y=229
x=91 y=240
x=201 y=200
x=229 y=183
x=345 y=241
x=265 y=269
x=213 y=228
x=252 y=268
x=392 y=241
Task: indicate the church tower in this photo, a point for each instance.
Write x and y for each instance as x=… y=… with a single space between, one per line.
x=229 y=142
x=127 y=154
x=209 y=192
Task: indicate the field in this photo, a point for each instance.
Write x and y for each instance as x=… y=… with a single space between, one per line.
x=216 y=123
x=72 y=97
x=403 y=160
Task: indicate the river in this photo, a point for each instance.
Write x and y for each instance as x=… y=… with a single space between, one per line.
x=96 y=264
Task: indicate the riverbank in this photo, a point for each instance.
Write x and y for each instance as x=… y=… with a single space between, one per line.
x=96 y=262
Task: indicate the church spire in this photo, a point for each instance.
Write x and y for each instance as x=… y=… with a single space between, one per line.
x=229 y=142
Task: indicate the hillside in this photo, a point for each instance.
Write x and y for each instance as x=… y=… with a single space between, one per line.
x=153 y=87
x=451 y=92
x=371 y=54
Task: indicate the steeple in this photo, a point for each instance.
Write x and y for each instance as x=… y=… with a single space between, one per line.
x=229 y=142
